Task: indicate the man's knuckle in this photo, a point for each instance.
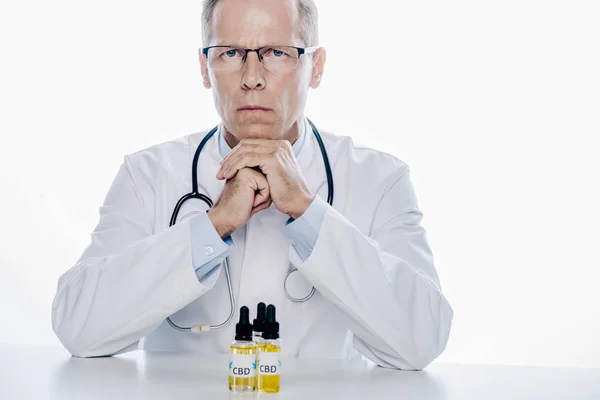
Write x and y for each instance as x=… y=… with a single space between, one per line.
x=244 y=172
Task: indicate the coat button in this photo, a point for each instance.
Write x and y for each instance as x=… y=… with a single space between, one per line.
x=208 y=250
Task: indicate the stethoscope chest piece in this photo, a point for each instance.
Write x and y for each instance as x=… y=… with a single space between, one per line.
x=297 y=288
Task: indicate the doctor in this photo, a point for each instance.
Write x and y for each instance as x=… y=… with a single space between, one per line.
x=377 y=292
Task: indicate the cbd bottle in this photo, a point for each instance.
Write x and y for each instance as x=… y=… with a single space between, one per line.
x=269 y=355
x=242 y=356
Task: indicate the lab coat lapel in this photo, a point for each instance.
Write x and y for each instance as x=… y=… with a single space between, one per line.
x=313 y=168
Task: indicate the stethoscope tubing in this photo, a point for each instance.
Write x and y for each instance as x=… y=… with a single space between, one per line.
x=194 y=194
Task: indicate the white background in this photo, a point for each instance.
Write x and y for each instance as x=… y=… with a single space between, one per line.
x=494 y=105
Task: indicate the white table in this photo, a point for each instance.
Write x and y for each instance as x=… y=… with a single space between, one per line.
x=29 y=372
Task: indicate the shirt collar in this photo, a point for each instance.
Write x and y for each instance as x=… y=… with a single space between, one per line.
x=224 y=148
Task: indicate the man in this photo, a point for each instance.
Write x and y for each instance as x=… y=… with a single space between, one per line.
x=377 y=290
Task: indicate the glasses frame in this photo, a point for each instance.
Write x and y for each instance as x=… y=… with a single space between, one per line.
x=301 y=50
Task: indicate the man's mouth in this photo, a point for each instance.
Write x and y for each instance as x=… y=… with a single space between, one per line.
x=252 y=108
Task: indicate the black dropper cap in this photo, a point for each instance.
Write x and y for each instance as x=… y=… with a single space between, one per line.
x=243 y=329
x=259 y=321
x=271 y=326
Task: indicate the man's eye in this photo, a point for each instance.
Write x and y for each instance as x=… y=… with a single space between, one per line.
x=275 y=53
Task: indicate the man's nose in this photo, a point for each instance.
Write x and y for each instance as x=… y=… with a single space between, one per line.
x=252 y=72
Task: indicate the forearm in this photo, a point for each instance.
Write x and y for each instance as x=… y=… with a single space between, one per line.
x=397 y=312
x=104 y=304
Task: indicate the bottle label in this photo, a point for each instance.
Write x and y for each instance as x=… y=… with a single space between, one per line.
x=242 y=365
x=269 y=363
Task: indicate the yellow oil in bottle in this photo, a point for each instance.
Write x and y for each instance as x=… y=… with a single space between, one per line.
x=242 y=367
x=269 y=365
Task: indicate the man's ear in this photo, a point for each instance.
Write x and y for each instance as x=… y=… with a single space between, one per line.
x=204 y=70
x=319 y=58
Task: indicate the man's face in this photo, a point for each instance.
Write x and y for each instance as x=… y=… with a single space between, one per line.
x=280 y=95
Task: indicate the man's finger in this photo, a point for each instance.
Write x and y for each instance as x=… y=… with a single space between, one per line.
x=226 y=165
x=245 y=160
x=227 y=162
x=263 y=206
x=261 y=197
x=231 y=158
x=251 y=145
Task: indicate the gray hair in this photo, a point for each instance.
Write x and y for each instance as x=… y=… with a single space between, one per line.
x=309 y=17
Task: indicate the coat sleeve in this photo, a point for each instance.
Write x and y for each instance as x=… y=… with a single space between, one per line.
x=385 y=283
x=128 y=280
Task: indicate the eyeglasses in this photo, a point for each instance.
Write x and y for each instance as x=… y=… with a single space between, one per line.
x=274 y=59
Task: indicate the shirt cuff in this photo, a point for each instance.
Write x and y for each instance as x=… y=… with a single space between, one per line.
x=304 y=232
x=208 y=249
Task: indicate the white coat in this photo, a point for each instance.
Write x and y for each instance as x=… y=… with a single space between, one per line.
x=378 y=293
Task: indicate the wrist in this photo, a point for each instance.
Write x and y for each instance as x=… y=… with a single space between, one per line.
x=223 y=228
x=301 y=207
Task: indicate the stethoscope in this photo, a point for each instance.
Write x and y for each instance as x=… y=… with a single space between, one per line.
x=295 y=285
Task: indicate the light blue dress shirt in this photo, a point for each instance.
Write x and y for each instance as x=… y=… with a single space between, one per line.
x=209 y=250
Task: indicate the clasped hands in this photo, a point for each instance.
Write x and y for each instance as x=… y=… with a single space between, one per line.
x=259 y=172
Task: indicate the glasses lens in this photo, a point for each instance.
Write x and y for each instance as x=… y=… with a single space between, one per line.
x=225 y=58
x=275 y=59
x=279 y=59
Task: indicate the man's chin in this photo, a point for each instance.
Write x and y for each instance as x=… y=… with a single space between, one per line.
x=256 y=131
